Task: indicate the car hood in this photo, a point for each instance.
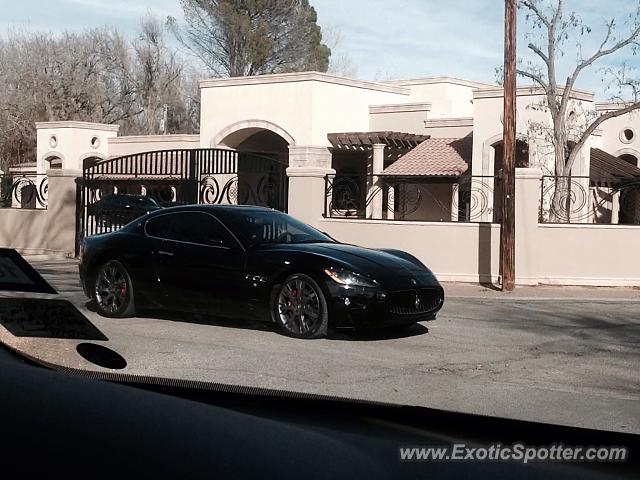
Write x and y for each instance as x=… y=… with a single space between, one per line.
x=391 y=271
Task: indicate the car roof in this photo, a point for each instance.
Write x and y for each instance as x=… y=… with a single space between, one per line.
x=212 y=208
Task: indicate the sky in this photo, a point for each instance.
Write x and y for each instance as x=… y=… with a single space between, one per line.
x=383 y=39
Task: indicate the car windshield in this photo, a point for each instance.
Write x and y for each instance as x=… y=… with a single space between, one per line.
x=271 y=227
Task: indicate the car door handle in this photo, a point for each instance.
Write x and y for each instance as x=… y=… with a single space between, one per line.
x=162 y=252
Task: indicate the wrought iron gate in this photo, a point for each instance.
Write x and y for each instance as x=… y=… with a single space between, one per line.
x=174 y=177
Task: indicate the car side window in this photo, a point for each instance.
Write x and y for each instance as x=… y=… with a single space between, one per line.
x=191 y=227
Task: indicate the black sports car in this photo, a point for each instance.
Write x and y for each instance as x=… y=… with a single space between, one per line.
x=254 y=262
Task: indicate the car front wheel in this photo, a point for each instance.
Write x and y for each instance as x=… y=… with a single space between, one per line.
x=300 y=307
x=113 y=290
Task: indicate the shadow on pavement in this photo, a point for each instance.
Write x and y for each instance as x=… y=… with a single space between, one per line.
x=44 y=318
x=101 y=356
x=388 y=333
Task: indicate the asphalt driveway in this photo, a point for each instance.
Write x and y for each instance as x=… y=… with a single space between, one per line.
x=553 y=359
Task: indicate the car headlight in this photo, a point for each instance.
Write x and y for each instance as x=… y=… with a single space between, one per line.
x=348 y=278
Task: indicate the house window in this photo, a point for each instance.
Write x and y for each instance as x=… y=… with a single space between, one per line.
x=55 y=163
x=627 y=135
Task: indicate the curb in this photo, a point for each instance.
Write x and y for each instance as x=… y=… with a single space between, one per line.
x=546 y=299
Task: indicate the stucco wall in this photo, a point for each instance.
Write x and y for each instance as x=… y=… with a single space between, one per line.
x=24 y=229
x=50 y=231
x=449 y=97
x=588 y=255
x=399 y=121
x=121 y=146
x=466 y=252
x=487 y=130
x=307 y=106
x=561 y=254
x=449 y=127
x=610 y=136
x=71 y=142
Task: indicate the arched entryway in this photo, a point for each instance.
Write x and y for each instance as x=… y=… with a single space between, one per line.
x=262 y=161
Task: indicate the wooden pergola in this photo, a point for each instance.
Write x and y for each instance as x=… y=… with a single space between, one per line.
x=365 y=140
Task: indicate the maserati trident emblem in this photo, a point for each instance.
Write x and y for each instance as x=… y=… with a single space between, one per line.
x=416 y=301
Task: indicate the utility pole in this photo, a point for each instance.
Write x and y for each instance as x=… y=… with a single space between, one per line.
x=508 y=226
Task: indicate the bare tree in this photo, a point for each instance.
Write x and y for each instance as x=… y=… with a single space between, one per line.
x=340 y=62
x=158 y=74
x=96 y=75
x=557 y=28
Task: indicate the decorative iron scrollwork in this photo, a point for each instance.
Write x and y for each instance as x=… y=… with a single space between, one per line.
x=582 y=200
x=345 y=196
x=24 y=191
x=475 y=199
x=469 y=199
x=261 y=190
x=209 y=191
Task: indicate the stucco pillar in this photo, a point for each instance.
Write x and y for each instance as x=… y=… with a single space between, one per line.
x=391 y=202
x=528 y=182
x=309 y=156
x=308 y=167
x=307 y=198
x=374 y=187
x=615 y=208
x=61 y=210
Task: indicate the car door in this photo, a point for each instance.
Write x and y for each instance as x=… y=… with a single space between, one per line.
x=199 y=264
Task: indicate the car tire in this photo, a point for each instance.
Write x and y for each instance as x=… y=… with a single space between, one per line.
x=112 y=291
x=299 y=307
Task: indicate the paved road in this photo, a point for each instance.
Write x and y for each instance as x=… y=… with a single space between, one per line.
x=568 y=361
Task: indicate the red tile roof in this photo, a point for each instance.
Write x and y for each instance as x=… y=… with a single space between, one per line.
x=448 y=157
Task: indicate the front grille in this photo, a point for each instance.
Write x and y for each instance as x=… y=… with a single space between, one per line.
x=415 y=302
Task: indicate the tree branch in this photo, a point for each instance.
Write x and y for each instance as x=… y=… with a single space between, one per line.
x=535 y=77
x=540 y=53
x=531 y=5
x=592 y=128
x=601 y=52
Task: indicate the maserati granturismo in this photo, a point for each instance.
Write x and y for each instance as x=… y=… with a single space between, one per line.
x=256 y=263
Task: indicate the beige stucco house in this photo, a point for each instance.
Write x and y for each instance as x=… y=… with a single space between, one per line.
x=297 y=118
x=412 y=164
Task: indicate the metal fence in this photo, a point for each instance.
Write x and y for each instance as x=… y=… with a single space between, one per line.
x=465 y=199
x=24 y=191
x=582 y=200
x=174 y=177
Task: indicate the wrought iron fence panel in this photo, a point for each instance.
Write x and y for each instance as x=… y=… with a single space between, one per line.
x=24 y=191
x=582 y=200
x=466 y=199
x=173 y=177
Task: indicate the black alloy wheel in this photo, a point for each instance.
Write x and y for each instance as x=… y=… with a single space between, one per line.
x=113 y=291
x=300 y=308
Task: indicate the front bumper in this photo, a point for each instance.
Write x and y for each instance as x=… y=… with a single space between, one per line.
x=358 y=307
